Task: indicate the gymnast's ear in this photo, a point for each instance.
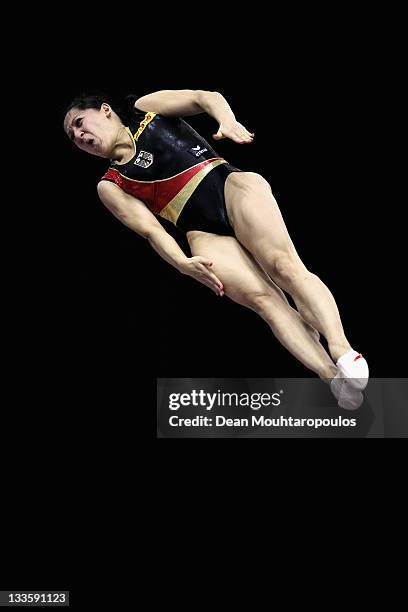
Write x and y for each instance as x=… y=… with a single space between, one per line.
x=106 y=109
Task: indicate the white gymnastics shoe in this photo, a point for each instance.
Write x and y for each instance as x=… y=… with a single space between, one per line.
x=347 y=396
x=354 y=367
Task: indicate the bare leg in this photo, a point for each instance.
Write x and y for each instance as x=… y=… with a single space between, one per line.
x=246 y=283
x=259 y=226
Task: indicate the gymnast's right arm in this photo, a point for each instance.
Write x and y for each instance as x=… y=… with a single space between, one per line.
x=133 y=213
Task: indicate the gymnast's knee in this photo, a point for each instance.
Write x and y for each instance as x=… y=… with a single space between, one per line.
x=285 y=267
x=262 y=302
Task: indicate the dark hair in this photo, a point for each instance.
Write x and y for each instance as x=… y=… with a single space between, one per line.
x=124 y=108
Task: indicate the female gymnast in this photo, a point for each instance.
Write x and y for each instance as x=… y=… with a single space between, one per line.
x=159 y=165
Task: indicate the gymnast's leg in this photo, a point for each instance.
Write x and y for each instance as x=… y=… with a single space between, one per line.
x=259 y=226
x=246 y=283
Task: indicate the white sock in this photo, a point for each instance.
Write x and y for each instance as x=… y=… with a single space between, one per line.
x=347 y=396
x=354 y=367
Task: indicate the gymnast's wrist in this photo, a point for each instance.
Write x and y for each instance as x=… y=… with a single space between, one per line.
x=225 y=118
x=182 y=264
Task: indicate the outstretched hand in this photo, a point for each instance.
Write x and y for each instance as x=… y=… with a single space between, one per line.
x=199 y=268
x=235 y=131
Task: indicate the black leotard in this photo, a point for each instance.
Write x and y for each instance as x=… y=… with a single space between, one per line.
x=176 y=173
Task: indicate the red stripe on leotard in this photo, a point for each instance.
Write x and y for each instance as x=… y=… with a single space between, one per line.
x=156 y=194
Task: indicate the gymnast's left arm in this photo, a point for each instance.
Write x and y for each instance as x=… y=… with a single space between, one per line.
x=185 y=102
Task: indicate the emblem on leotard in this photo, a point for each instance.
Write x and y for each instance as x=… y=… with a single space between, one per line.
x=144 y=159
x=197 y=151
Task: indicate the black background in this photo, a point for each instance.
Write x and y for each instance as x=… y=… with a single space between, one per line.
x=93 y=315
x=95 y=311
x=319 y=142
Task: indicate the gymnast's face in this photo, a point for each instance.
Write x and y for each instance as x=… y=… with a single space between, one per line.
x=92 y=130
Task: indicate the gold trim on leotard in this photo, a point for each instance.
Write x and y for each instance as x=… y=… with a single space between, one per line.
x=145 y=122
x=173 y=209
